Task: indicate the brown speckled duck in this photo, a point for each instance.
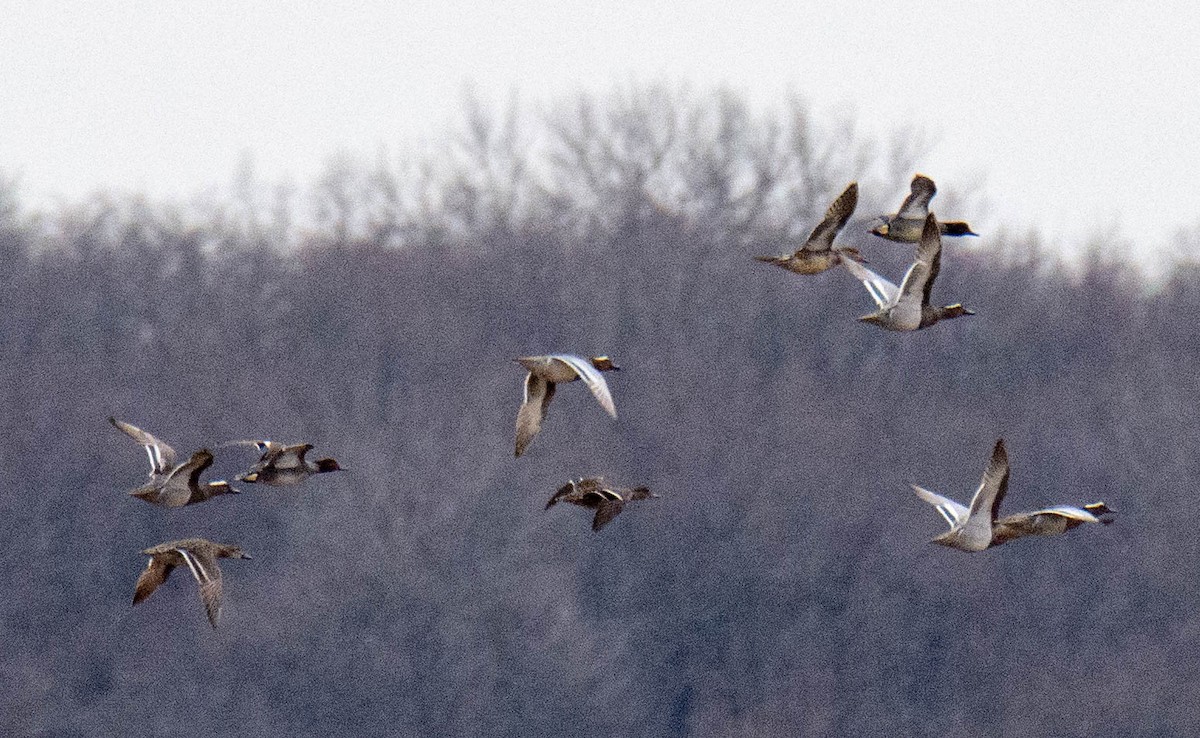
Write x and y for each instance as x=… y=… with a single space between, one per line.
x=818 y=254
x=200 y=556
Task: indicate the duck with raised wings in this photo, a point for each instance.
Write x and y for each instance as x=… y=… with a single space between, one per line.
x=818 y=253
x=171 y=484
x=978 y=527
x=907 y=307
x=545 y=372
x=907 y=225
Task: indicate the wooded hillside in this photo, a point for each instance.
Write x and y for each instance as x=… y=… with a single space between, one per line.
x=782 y=585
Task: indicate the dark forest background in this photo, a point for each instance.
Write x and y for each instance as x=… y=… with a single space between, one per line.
x=782 y=585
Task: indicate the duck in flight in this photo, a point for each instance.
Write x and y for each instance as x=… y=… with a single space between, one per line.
x=171 y=484
x=282 y=465
x=818 y=253
x=979 y=527
x=545 y=372
x=906 y=226
x=907 y=307
x=200 y=556
x=1049 y=521
x=592 y=493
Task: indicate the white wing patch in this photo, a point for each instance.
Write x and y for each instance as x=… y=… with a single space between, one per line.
x=1068 y=511
x=195 y=565
x=882 y=291
x=953 y=512
x=156 y=464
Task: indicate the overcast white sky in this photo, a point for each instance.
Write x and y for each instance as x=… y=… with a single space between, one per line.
x=1082 y=116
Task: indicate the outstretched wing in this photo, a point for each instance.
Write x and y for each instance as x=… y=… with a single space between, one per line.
x=605 y=512
x=265 y=448
x=155 y=573
x=208 y=575
x=177 y=489
x=1067 y=511
x=594 y=380
x=918 y=282
x=916 y=205
x=836 y=216
x=286 y=457
x=162 y=456
x=954 y=512
x=1048 y=521
x=538 y=393
x=992 y=487
x=882 y=291
x=930 y=250
x=562 y=492
x=200 y=461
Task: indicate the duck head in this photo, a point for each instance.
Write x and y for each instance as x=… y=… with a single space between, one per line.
x=957 y=228
x=221 y=487
x=232 y=552
x=604 y=364
x=328 y=465
x=1101 y=511
x=955 y=311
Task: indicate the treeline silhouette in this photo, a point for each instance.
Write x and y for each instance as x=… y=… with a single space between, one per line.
x=783 y=583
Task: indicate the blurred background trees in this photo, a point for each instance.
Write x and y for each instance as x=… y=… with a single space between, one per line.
x=781 y=586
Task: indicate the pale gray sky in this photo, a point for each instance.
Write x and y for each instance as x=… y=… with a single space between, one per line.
x=1083 y=116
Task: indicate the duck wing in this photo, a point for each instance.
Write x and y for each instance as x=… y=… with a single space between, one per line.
x=606 y=510
x=992 y=487
x=884 y=293
x=1070 y=512
x=916 y=205
x=821 y=239
x=265 y=448
x=593 y=379
x=208 y=575
x=918 y=281
x=287 y=457
x=155 y=573
x=538 y=393
x=162 y=456
x=176 y=491
x=954 y=513
x=562 y=492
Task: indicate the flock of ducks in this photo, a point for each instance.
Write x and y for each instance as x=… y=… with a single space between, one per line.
x=906 y=307
x=176 y=485
x=903 y=308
